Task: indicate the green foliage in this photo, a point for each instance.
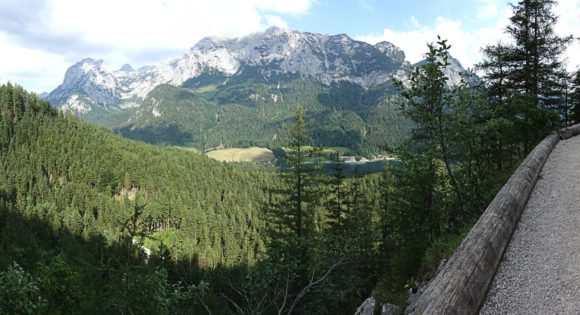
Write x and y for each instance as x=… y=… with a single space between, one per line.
x=78 y=204
x=291 y=218
x=244 y=112
x=79 y=175
x=315 y=262
x=61 y=286
x=531 y=67
x=82 y=201
x=536 y=54
x=467 y=141
x=19 y=293
x=464 y=147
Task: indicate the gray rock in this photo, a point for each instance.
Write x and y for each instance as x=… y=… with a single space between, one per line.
x=367 y=307
x=390 y=309
x=277 y=51
x=413 y=296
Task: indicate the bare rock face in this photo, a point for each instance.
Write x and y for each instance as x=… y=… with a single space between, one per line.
x=277 y=51
x=390 y=309
x=274 y=52
x=367 y=307
x=414 y=294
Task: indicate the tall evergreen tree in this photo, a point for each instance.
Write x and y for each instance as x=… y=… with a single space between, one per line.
x=291 y=218
x=496 y=66
x=536 y=55
x=526 y=79
x=337 y=211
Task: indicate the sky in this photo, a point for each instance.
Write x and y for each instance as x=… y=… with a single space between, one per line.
x=40 y=39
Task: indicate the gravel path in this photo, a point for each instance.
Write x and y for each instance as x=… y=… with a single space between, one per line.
x=540 y=270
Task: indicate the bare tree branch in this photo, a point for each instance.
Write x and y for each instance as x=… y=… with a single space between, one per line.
x=281 y=309
x=312 y=284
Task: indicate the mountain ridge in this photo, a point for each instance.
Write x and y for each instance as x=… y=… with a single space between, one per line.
x=328 y=58
x=242 y=91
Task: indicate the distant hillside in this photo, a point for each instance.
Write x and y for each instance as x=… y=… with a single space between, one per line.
x=238 y=114
x=241 y=91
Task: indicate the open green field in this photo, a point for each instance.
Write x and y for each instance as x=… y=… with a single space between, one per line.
x=252 y=154
x=206 y=89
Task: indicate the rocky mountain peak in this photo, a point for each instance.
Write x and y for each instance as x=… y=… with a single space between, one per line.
x=389 y=49
x=90 y=61
x=127 y=68
x=454 y=71
x=276 y=51
x=207 y=44
x=274 y=31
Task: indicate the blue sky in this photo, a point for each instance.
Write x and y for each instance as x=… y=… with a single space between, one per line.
x=40 y=39
x=369 y=16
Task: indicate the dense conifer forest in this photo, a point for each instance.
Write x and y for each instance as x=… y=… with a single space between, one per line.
x=91 y=222
x=214 y=114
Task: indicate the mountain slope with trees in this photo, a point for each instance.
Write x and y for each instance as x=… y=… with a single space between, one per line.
x=78 y=204
x=83 y=203
x=238 y=113
x=240 y=92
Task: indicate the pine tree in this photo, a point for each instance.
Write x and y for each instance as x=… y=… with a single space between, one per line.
x=296 y=217
x=496 y=67
x=536 y=54
x=291 y=218
x=337 y=212
x=526 y=79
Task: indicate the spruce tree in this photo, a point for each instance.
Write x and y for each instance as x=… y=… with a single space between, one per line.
x=536 y=55
x=337 y=211
x=290 y=261
x=496 y=66
x=526 y=78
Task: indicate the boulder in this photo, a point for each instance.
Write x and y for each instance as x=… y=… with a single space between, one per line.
x=367 y=307
x=390 y=309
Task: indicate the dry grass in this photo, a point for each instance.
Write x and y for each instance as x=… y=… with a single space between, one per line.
x=252 y=154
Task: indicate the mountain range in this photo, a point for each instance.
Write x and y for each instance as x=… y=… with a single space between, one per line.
x=241 y=91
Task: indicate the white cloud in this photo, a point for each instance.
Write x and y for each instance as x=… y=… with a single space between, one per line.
x=296 y=7
x=465 y=45
x=569 y=24
x=19 y=64
x=366 y=5
x=487 y=9
x=176 y=24
x=274 y=20
x=133 y=31
x=415 y=22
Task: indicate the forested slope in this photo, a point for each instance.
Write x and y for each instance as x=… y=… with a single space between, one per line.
x=77 y=204
x=243 y=111
x=78 y=196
